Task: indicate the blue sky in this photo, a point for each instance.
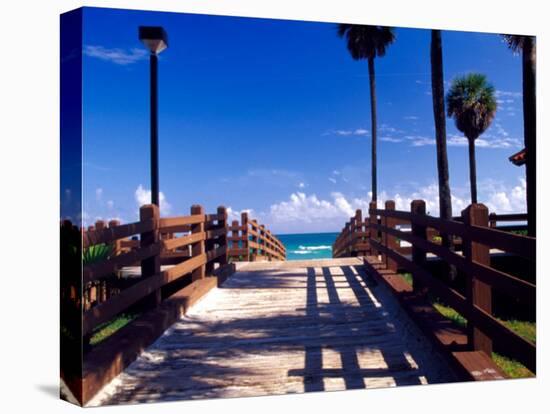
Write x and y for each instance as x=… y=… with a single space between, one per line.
x=273 y=116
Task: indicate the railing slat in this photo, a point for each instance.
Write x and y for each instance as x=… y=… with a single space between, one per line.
x=171 y=244
x=516 y=346
x=97 y=270
x=110 y=234
x=523 y=246
x=515 y=287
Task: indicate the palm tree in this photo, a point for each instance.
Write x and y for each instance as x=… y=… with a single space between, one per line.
x=368 y=42
x=471 y=102
x=527 y=46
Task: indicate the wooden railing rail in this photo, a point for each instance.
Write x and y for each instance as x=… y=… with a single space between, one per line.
x=251 y=241
x=196 y=253
x=474 y=262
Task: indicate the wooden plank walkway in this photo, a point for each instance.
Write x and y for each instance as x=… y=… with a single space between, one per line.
x=288 y=327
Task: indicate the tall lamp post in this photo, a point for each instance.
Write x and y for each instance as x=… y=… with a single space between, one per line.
x=155 y=39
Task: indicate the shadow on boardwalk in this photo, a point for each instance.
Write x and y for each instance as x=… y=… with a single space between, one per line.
x=277 y=331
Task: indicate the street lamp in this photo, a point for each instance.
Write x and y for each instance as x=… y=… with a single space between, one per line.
x=155 y=39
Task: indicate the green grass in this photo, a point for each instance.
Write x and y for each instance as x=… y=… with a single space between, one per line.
x=106 y=329
x=525 y=329
x=408 y=278
x=450 y=313
x=511 y=367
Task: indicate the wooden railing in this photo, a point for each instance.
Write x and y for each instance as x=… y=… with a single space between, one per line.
x=250 y=241
x=162 y=259
x=353 y=239
x=475 y=303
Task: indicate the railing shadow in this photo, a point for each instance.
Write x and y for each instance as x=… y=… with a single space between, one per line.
x=196 y=359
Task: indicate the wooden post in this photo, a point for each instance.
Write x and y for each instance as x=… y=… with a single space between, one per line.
x=255 y=239
x=116 y=244
x=209 y=245
x=198 y=248
x=418 y=207
x=390 y=241
x=246 y=246
x=492 y=220
x=373 y=219
x=347 y=240
x=151 y=265
x=263 y=241
x=235 y=243
x=477 y=292
x=357 y=229
x=222 y=240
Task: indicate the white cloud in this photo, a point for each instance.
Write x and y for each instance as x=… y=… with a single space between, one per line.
x=98 y=193
x=115 y=55
x=487 y=141
x=389 y=129
x=500 y=94
x=143 y=196
x=420 y=141
x=307 y=208
x=411 y=118
x=110 y=203
x=506 y=200
x=236 y=214
x=303 y=212
x=390 y=139
x=336 y=172
x=332 y=180
x=301 y=185
x=348 y=132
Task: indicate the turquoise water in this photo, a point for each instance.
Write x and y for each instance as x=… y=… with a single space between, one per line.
x=308 y=245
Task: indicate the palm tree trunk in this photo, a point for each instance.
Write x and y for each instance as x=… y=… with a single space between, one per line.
x=530 y=131
x=373 y=126
x=445 y=205
x=473 y=175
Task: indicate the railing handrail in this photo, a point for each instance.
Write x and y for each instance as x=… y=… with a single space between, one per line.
x=477 y=233
x=250 y=239
x=204 y=231
x=520 y=245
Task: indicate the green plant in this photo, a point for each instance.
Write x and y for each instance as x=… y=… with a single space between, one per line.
x=96 y=253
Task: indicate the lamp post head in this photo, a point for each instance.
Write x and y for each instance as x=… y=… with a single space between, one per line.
x=154 y=38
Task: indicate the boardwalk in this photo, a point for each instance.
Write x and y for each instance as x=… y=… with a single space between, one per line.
x=276 y=328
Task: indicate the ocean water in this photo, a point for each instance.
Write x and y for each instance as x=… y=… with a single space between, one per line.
x=308 y=245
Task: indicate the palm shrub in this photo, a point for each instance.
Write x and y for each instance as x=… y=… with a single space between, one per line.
x=471 y=102
x=96 y=253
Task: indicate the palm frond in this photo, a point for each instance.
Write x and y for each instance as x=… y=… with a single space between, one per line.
x=471 y=102
x=515 y=42
x=365 y=41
